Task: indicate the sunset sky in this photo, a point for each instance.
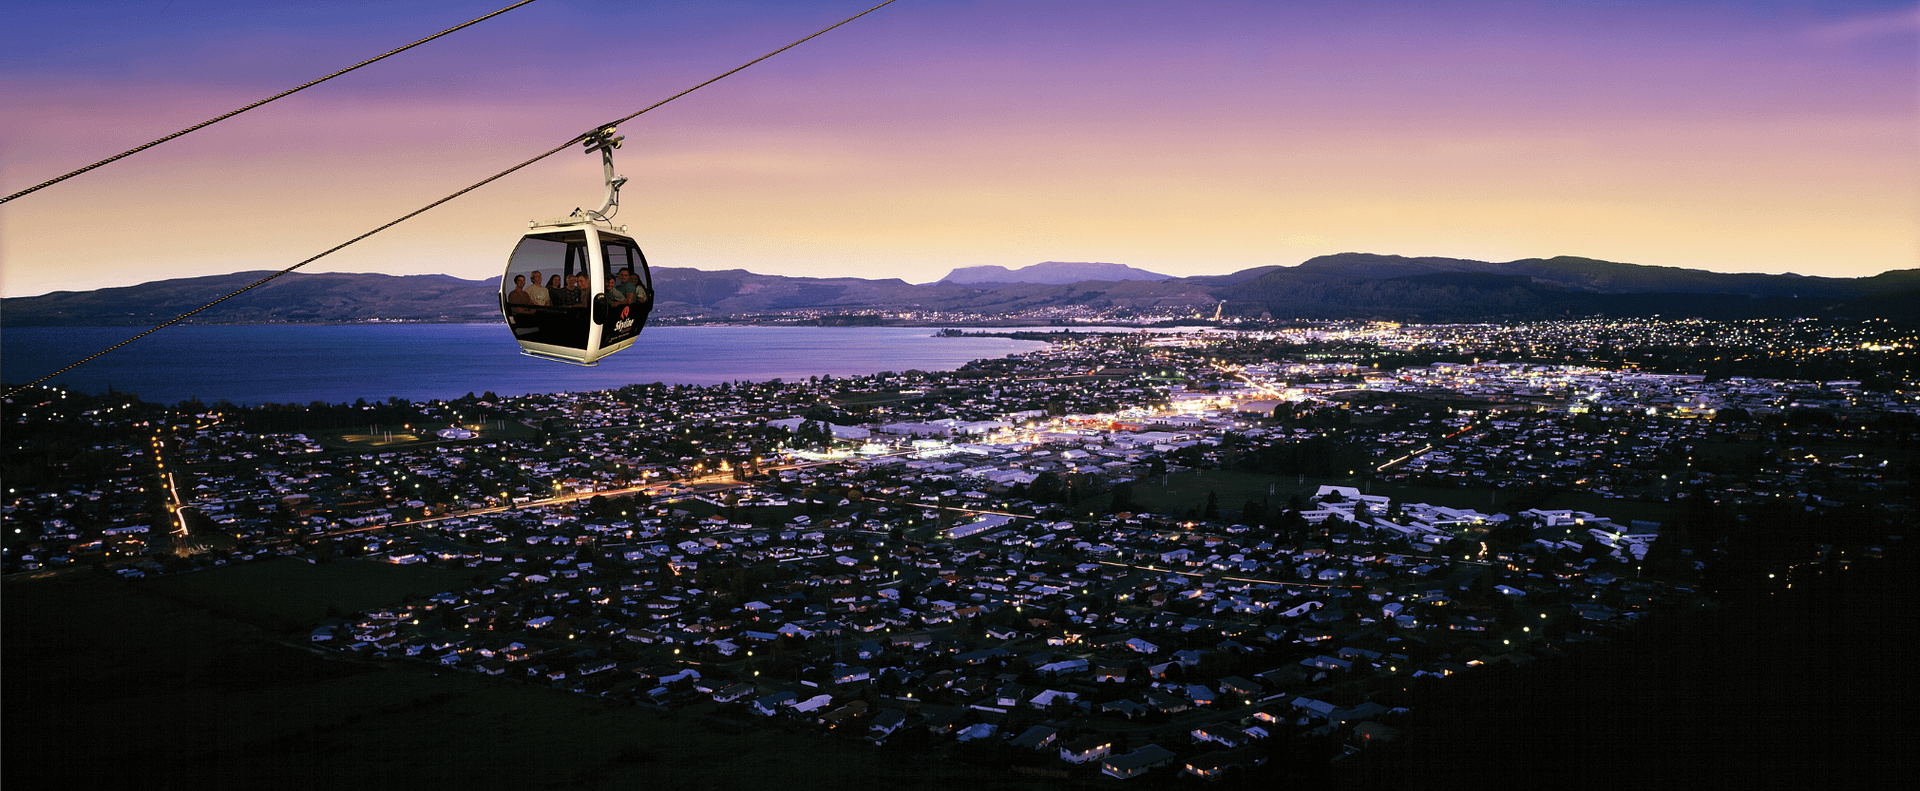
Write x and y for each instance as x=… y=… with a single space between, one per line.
x=1191 y=137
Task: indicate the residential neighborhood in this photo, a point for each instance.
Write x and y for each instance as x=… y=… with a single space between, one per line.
x=1125 y=553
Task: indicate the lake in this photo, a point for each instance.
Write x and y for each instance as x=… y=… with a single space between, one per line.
x=254 y=364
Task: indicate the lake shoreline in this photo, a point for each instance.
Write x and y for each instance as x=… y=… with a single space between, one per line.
x=300 y=363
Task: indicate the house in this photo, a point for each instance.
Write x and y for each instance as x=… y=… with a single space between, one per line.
x=732 y=692
x=1167 y=703
x=845 y=714
x=1314 y=708
x=1049 y=697
x=1036 y=737
x=1215 y=765
x=1224 y=735
x=1235 y=685
x=977 y=657
x=1136 y=763
x=1086 y=749
x=772 y=703
x=943 y=720
x=1369 y=732
x=811 y=704
x=1301 y=609
x=1364 y=711
x=885 y=723
x=979 y=730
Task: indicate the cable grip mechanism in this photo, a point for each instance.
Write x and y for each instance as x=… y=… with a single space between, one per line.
x=604 y=140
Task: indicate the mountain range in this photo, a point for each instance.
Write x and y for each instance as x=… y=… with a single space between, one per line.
x=1053 y=273
x=1341 y=286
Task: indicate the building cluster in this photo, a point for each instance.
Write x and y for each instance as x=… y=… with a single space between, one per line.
x=973 y=557
x=1054 y=635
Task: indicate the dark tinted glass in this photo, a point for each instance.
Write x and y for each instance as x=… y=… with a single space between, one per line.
x=629 y=289
x=538 y=312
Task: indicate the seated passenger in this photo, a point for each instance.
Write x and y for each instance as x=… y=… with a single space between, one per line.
x=561 y=295
x=622 y=290
x=582 y=289
x=538 y=292
x=641 y=294
x=518 y=296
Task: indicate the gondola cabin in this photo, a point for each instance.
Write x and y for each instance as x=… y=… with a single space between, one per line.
x=576 y=291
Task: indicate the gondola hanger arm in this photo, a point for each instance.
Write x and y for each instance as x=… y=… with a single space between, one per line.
x=604 y=140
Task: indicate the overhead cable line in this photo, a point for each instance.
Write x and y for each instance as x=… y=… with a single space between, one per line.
x=289 y=91
x=410 y=215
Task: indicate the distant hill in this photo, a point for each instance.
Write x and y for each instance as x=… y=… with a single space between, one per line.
x=1342 y=286
x=1367 y=285
x=1053 y=273
x=296 y=297
x=1588 y=274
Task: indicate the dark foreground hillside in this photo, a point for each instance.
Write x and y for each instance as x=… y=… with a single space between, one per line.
x=1809 y=688
x=110 y=687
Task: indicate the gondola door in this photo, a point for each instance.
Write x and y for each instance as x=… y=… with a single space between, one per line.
x=623 y=304
x=550 y=284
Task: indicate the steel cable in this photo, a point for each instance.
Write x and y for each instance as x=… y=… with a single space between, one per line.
x=289 y=91
x=423 y=209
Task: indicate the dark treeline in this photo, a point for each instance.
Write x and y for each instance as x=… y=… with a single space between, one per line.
x=281 y=418
x=71 y=443
x=1873 y=370
x=1319 y=456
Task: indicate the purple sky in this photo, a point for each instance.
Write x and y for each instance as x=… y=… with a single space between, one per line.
x=1184 y=138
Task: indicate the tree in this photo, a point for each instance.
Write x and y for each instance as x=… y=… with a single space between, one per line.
x=1122 y=498
x=1045 y=488
x=1253 y=512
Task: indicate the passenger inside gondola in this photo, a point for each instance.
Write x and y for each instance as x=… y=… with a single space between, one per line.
x=581 y=288
x=518 y=296
x=537 y=289
x=560 y=294
x=540 y=307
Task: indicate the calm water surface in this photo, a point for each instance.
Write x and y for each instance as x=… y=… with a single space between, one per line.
x=299 y=364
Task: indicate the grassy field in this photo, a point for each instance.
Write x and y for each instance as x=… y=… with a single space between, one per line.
x=292 y=595
x=400 y=437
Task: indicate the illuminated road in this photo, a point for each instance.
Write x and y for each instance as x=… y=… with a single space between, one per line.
x=175 y=506
x=1471 y=427
x=705 y=484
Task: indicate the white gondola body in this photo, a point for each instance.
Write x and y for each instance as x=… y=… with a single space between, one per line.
x=576 y=325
